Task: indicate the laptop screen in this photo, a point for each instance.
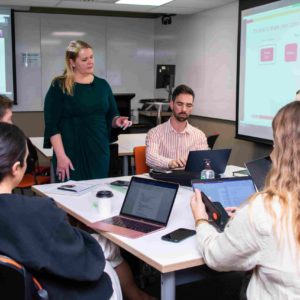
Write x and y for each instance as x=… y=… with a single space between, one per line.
x=227 y=191
x=149 y=199
x=258 y=170
x=218 y=160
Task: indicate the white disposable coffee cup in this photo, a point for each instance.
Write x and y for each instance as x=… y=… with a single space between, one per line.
x=104 y=207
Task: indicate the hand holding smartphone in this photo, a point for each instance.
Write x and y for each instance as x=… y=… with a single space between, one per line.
x=216 y=212
x=178 y=235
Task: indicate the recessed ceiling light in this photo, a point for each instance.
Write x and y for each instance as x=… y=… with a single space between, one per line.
x=68 y=33
x=144 y=2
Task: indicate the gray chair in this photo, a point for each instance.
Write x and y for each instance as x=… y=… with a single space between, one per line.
x=17 y=283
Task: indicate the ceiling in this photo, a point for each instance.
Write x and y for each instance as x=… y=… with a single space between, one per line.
x=173 y=7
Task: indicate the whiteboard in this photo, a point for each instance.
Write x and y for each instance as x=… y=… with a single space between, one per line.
x=123 y=49
x=204 y=49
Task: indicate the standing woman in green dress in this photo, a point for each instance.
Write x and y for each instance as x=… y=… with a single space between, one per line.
x=80 y=110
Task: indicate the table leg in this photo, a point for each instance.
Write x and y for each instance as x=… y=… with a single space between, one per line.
x=52 y=173
x=125 y=165
x=168 y=286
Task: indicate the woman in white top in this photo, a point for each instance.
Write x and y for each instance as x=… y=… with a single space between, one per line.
x=264 y=234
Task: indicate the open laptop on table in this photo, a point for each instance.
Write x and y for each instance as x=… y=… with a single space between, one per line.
x=146 y=208
x=258 y=170
x=194 y=166
x=228 y=191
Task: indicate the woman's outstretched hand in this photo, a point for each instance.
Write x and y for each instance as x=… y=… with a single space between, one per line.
x=123 y=122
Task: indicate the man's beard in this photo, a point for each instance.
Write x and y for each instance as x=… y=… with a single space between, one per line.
x=181 y=117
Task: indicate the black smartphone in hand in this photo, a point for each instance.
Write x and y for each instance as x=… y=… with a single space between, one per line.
x=216 y=212
x=178 y=235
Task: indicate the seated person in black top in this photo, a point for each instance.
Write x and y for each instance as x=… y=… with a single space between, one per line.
x=67 y=261
x=111 y=251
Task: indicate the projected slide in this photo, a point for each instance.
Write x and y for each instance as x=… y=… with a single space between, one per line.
x=6 y=57
x=2 y=65
x=269 y=65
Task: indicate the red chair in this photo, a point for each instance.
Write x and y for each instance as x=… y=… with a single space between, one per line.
x=139 y=154
x=35 y=174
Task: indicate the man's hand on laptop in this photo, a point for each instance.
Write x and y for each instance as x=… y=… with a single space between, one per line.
x=231 y=210
x=177 y=163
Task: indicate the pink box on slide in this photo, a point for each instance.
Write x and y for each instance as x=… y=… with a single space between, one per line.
x=291 y=52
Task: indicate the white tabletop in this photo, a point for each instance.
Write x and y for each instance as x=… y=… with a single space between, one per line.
x=128 y=141
x=162 y=255
x=126 y=144
x=38 y=144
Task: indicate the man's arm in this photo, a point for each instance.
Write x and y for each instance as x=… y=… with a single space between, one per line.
x=153 y=159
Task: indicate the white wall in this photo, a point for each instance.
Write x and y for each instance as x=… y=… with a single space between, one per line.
x=204 y=49
x=123 y=47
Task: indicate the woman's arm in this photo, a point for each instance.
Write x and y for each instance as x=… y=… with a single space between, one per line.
x=235 y=249
x=64 y=164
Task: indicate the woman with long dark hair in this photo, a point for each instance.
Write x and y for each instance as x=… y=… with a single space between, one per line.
x=264 y=234
x=67 y=261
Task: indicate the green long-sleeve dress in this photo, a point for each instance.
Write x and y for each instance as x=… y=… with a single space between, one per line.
x=84 y=122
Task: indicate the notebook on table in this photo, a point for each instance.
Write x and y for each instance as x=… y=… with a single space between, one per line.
x=230 y=191
x=258 y=170
x=194 y=166
x=146 y=208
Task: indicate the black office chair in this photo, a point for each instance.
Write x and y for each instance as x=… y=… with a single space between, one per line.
x=17 y=283
x=211 y=140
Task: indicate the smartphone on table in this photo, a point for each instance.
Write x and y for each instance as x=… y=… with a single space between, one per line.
x=178 y=235
x=120 y=183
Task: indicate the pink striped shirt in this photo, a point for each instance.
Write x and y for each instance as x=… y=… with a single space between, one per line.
x=164 y=144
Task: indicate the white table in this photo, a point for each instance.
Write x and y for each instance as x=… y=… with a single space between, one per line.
x=164 y=256
x=46 y=152
x=126 y=143
x=168 y=258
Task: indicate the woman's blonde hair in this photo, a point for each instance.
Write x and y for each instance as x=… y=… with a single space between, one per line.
x=283 y=179
x=66 y=80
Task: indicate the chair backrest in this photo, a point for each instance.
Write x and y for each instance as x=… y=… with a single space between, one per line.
x=139 y=153
x=32 y=160
x=211 y=139
x=18 y=284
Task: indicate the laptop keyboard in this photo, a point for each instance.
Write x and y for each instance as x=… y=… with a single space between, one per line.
x=131 y=224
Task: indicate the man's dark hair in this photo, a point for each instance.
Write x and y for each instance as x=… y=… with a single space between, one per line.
x=5 y=104
x=298 y=92
x=12 y=148
x=182 y=89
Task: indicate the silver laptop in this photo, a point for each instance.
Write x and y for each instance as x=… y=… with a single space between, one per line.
x=228 y=191
x=146 y=208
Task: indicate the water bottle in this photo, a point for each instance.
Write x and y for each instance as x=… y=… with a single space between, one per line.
x=207 y=172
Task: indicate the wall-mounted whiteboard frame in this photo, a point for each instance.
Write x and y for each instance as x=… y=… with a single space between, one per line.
x=123 y=48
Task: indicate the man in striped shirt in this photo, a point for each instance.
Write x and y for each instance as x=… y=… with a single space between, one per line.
x=168 y=144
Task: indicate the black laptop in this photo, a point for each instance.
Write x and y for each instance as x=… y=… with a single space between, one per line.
x=194 y=166
x=258 y=170
x=218 y=160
